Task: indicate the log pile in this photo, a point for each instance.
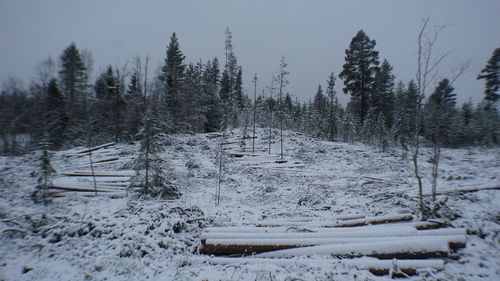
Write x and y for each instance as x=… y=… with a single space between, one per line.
x=101 y=181
x=381 y=242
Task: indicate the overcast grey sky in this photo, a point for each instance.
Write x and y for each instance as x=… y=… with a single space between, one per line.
x=312 y=35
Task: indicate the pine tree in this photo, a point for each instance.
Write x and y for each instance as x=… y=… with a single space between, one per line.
x=491 y=75
x=361 y=64
x=149 y=166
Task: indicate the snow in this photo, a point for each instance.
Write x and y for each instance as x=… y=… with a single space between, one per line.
x=130 y=238
x=364 y=263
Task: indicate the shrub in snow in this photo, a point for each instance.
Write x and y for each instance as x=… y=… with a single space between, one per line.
x=45 y=173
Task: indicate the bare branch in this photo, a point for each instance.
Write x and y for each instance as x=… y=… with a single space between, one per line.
x=459 y=70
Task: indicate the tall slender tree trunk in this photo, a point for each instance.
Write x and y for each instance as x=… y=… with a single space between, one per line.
x=254 y=108
x=270 y=114
x=415 y=144
x=148 y=135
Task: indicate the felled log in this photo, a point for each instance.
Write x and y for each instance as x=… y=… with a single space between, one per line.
x=406 y=229
x=375 y=266
x=295 y=221
x=229 y=142
x=246 y=250
x=396 y=249
x=252 y=246
x=213 y=136
x=15 y=230
x=375 y=220
x=96 y=148
x=247 y=138
x=327 y=233
x=86 y=194
x=468 y=190
x=236 y=155
x=84 y=189
x=93 y=175
x=354 y=222
x=106 y=160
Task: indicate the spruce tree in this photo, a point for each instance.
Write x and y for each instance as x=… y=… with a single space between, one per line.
x=57 y=119
x=332 y=107
x=73 y=79
x=45 y=173
x=110 y=106
x=382 y=97
x=231 y=91
x=361 y=64
x=135 y=101
x=150 y=167
x=211 y=86
x=491 y=75
x=282 y=82
x=173 y=76
x=320 y=102
x=441 y=104
x=238 y=90
x=195 y=104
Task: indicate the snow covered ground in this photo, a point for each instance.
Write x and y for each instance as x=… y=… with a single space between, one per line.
x=129 y=238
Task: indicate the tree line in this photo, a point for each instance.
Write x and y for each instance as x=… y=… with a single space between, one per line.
x=65 y=106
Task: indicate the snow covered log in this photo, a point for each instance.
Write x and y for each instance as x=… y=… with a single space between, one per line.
x=236 y=155
x=245 y=250
x=107 y=174
x=251 y=246
x=375 y=266
x=349 y=223
x=63 y=193
x=96 y=148
x=396 y=249
x=350 y=233
x=467 y=190
x=83 y=189
x=309 y=220
x=106 y=160
x=442 y=231
x=213 y=136
x=258 y=229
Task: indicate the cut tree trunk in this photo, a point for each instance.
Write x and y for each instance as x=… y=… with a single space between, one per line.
x=106 y=160
x=96 y=148
x=352 y=223
x=436 y=248
x=252 y=246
